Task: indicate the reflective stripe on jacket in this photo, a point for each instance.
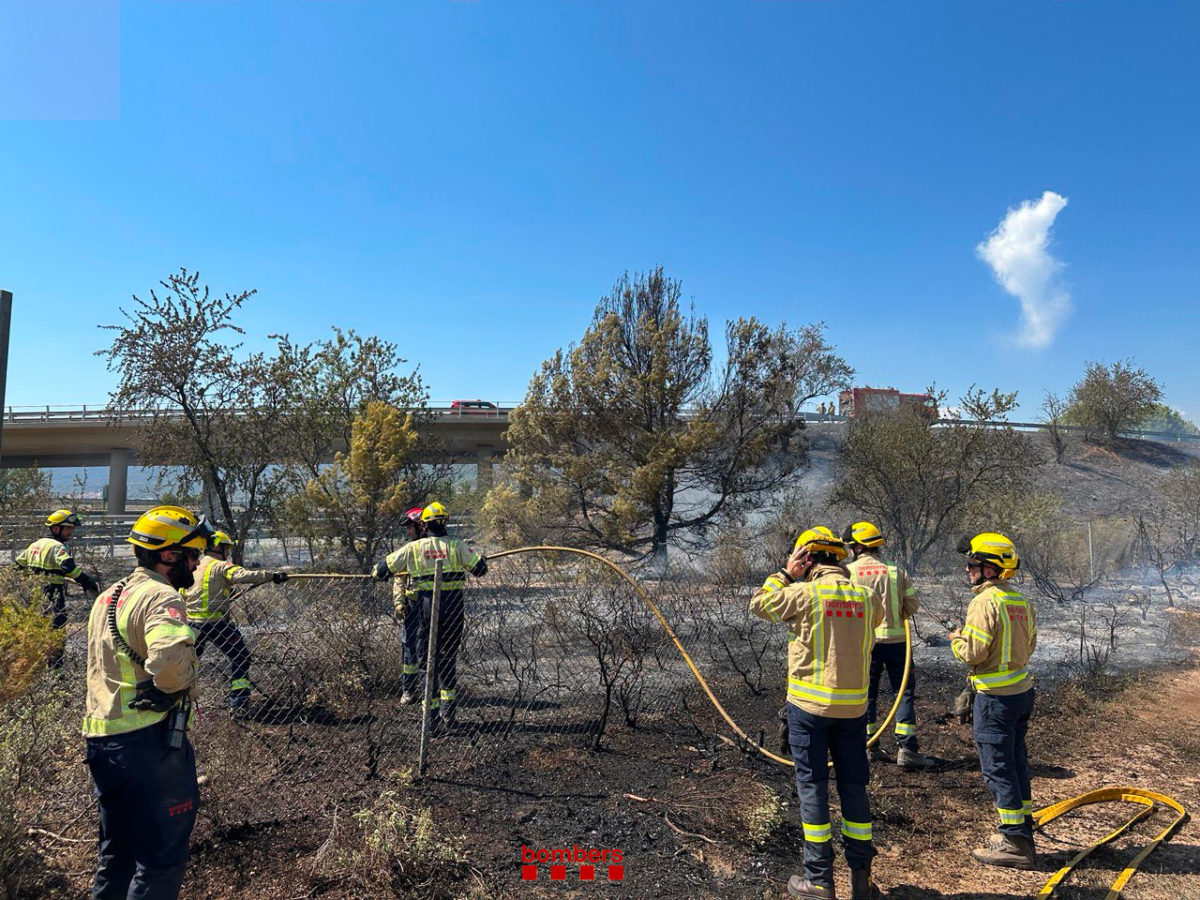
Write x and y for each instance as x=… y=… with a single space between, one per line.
x=50 y=560
x=832 y=623
x=208 y=597
x=152 y=619
x=997 y=640
x=418 y=558
x=900 y=600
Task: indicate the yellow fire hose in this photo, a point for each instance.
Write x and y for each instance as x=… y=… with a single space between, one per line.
x=1106 y=795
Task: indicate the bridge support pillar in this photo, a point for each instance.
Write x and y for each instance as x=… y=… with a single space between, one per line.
x=118 y=480
x=483 y=468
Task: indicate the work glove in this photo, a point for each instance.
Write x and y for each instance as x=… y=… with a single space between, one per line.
x=279 y=577
x=150 y=699
x=964 y=705
x=382 y=573
x=785 y=745
x=88 y=583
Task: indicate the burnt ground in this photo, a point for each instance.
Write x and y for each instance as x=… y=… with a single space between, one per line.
x=693 y=816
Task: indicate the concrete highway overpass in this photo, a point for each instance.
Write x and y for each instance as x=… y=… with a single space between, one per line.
x=58 y=437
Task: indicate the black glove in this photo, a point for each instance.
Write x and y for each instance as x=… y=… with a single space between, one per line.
x=279 y=577
x=785 y=745
x=150 y=699
x=88 y=583
x=382 y=572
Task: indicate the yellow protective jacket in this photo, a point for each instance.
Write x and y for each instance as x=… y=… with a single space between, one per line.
x=417 y=559
x=402 y=590
x=208 y=597
x=997 y=640
x=152 y=619
x=50 y=560
x=832 y=623
x=900 y=600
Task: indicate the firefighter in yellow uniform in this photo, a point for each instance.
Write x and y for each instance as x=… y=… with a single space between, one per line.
x=141 y=666
x=832 y=624
x=49 y=560
x=900 y=603
x=208 y=611
x=408 y=612
x=417 y=560
x=996 y=643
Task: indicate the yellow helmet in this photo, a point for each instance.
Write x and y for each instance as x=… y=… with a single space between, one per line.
x=992 y=548
x=820 y=539
x=64 y=517
x=865 y=533
x=220 y=539
x=434 y=512
x=170 y=528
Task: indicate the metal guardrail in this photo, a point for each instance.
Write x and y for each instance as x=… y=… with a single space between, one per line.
x=445 y=410
x=100 y=412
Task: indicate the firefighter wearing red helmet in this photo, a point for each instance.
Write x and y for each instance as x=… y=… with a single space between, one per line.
x=408 y=610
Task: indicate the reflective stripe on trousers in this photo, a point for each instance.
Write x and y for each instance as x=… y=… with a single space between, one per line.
x=999 y=727
x=890 y=658
x=814 y=740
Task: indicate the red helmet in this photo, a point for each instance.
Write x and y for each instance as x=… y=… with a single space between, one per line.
x=413 y=516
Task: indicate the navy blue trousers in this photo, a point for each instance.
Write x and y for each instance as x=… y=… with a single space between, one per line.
x=224 y=634
x=890 y=658
x=450 y=633
x=148 y=799
x=999 y=728
x=413 y=650
x=816 y=739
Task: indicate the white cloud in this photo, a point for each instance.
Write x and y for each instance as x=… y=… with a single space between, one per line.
x=1016 y=251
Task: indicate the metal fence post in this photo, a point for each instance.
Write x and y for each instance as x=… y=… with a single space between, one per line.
x=430 y=667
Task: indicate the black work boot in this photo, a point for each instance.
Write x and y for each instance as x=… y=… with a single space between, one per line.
x=1012 y=852
x=877 y=754
x=861 y=885
x=912 y=760
x=798 y=886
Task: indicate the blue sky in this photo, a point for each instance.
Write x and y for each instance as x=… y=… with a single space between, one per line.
x=467 y=178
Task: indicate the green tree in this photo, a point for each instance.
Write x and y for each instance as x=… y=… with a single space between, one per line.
x=1164 y=418
x=1111 y=399
x=918 y=479
x=360 y=499
x=630 y=441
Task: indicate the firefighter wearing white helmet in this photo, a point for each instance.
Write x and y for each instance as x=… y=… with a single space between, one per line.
x=141 y=668
x=417 y=561
x=49 y=560
x=208 y=611
x=900 y=603
x=996 y=642
x=832 y=625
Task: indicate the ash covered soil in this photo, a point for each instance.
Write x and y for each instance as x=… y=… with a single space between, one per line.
x=695 y=817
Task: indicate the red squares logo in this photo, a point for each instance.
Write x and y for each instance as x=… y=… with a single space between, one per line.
x=587 y=873
x=616 y=873
x=558 y=873
x=829 y=612
x=529 y=873
x=860 y=614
